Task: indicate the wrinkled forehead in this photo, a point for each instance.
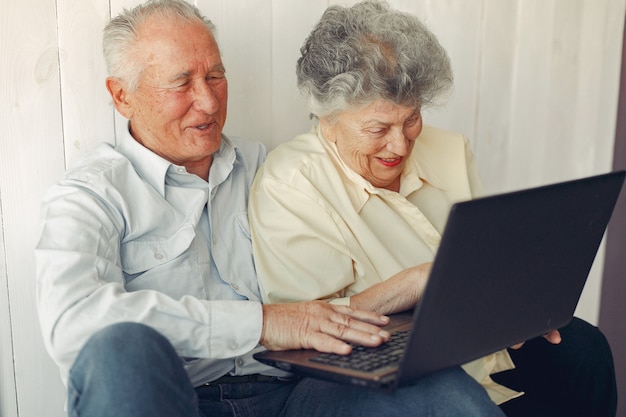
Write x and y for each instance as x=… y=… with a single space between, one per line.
x=167 y=44
x=386 y=109
x=175 y=31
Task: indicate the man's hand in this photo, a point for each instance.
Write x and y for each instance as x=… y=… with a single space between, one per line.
x=321 y=326
x=553 y=336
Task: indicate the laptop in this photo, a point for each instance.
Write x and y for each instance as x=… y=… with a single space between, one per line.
x=510 y=267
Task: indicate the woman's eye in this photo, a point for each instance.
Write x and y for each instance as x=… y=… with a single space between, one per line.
x=376 y=131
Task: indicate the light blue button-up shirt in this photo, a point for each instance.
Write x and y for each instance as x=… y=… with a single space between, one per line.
x=128 y=236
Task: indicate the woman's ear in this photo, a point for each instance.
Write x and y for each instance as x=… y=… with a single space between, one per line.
x=119 y=92
x=327 y=130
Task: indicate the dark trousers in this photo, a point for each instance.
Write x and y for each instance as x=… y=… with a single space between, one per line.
x=575 y=378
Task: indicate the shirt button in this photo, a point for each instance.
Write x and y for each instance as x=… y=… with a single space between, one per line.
x=234 y=286
x=158 y=256
x=240 y=362
x=233 y=345
x=213 y=239
x=181 y=170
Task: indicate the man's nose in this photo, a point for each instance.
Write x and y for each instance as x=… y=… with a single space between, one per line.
x=205 y=98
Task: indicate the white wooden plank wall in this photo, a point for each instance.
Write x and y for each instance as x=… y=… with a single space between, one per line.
x=536 y=92
x=31 y=155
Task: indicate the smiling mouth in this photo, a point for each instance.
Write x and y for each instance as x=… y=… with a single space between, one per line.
x=204 y=127
x=390 y=162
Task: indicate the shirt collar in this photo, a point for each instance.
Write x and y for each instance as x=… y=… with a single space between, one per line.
x=154 y=168
x=417 y=171
x=223 y=162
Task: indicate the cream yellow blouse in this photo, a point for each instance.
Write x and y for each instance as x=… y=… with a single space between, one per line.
x=321 y=231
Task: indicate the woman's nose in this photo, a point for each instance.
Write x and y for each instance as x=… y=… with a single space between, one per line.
x=398 y=143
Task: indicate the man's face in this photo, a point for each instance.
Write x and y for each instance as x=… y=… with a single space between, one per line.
x=179 y=107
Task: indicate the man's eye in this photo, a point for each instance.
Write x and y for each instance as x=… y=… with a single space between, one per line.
x=215 y=76
x=180 y=85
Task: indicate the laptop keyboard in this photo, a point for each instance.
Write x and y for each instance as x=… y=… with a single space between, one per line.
x=368 y=359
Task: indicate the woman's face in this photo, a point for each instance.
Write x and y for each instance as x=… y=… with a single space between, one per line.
x=375 y=140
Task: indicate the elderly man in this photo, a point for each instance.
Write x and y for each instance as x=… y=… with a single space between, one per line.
x=147 y=290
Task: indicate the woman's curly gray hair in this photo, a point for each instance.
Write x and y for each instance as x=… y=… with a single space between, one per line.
x=367 y=52
x=120 y=35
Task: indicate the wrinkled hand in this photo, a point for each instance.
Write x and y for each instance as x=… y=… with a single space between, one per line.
x=398 y=293
x=553 y=336
x=321 y=326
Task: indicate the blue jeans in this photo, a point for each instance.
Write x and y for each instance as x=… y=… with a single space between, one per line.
x=129 y=369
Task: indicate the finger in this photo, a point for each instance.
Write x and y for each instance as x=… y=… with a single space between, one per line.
x=351 y=326
x=517 y=346
x=328 y=344
x=353 y=331
x=362 y=315
x=553 y=336
x=366 y=321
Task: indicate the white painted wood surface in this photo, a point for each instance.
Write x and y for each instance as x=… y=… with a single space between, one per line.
x=31 y=155
x=536 y=93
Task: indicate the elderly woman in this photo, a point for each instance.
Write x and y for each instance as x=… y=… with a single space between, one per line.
x=352 y=212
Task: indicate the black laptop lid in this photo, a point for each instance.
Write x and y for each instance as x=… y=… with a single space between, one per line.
x=509 y=268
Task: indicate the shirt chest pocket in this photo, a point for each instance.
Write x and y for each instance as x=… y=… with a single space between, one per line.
x=174 y=266
x=151 y=252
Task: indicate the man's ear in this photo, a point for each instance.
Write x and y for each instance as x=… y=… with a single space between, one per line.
x=118 y=91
